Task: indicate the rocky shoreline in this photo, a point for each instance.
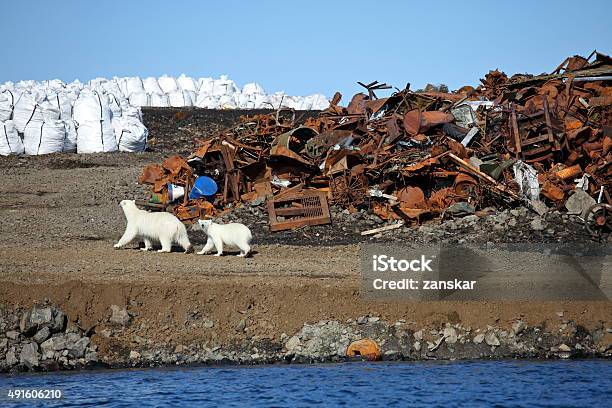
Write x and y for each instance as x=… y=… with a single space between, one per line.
x=40 y=339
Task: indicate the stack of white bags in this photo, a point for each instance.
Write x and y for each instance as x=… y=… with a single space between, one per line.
x=50 y=117
x=104 y=115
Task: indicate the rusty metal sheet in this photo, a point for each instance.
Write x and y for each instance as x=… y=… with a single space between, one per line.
x=412 y=122
x=416 y=121
x=151 y=173
x=551 y=191
x=411 y=197
x=357 y=104
x=569 y=172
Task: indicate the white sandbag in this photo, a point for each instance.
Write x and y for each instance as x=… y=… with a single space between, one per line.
x=139 y=99
x=131 y=111
x=48 y=110
x=45 y=138
x=262 y=102
x=179 y=99
x=245 y=101
x=96 y=82
x=70 y=143
x=159 y=100
x=55 y=84
x=115 y=103
x=6 y=105
x=96 y=136
x=319 y=102
x=111 y=87
x=30 y=83
x=134 y=85
x=131 y=134
x=10 y=142
x=91 y=106
x=289 y=102
x=252 y=89
x=226 y=102
x=205 y=86
x=8 y=85
x=207 y=101
x=25 y=109
x=63 y=101
x=224 y=86
x=122 y=84
x=192 y=97
x=151 y=86
x=167 y=84
x=186 y=83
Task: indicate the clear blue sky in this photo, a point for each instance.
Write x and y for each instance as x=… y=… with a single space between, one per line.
x=297 y=47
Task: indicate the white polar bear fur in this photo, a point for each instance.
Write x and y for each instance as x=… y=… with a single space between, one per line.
x=162 y=227
x=235 y=234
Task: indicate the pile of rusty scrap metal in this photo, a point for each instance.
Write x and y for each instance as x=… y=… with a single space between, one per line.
x=412 y=156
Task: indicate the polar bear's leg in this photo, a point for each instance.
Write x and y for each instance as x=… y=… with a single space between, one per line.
x=209 y=245
x=148 y=245
x=218 y=242
x=128 y=236
x=244 y=249
x=166 y=244
x=184 y=242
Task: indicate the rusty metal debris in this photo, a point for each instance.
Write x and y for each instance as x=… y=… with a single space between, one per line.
x=298 y=209
x=412 y=155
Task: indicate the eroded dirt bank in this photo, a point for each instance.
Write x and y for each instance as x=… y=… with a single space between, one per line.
x=295 y=301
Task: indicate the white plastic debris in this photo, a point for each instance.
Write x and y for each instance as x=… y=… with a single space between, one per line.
x=583 y=182
x=527 y=179
x=278 y=182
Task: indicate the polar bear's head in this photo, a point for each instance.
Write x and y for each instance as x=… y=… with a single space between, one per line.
x=204 y=224
x=128 y=204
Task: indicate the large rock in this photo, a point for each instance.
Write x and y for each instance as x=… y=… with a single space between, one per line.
x=322 y=340
x=42 y=335
x=42 y=316
x=491 y=339
x=29 y=355
x=519 y=326
x=77 y=349
x=119 y=316
x=450 y=335
x=60 y=342
x=537 y=224
x=11 y=360
x=13 y=334
x=59 y=321
x=292 y=343
x=579 y=202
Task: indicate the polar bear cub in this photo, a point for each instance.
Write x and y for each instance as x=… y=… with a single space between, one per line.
x=162 y=227
x=238 y=235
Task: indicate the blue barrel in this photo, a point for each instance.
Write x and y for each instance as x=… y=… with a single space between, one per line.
x=203 y=187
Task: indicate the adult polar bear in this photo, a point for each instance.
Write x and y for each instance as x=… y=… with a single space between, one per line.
x=162 y=227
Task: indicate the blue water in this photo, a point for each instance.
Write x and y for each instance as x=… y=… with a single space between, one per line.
x=586 y=383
